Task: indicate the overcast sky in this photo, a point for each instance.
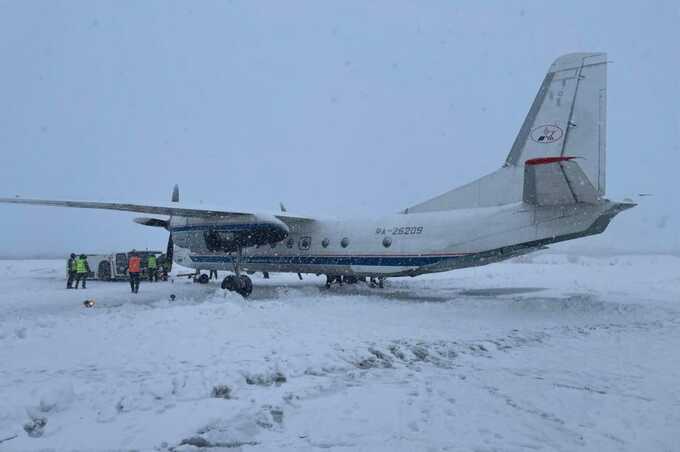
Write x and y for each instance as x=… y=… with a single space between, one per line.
x=347 y=107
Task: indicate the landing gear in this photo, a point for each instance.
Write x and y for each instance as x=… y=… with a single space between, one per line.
x=241 y=284
x=380 y=282
x=198 y=277
x=351 y=279
x=330 y=279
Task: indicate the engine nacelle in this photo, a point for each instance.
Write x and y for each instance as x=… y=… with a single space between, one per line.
x=228 y=234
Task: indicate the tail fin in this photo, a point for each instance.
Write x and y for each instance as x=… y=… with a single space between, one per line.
x=567 y=118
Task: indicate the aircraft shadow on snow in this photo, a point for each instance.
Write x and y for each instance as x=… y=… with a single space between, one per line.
x=416 y=294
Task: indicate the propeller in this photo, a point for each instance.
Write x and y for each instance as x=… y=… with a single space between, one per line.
x=158 y=223
x=169 y=251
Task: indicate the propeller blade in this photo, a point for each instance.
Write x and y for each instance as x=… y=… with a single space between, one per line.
x=168 y=253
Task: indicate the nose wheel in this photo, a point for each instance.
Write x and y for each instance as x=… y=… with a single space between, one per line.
x=241 y=284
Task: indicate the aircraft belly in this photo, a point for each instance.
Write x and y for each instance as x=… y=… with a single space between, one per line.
x=325 y=268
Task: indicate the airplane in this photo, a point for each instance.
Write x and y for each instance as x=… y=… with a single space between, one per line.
x=550 y=188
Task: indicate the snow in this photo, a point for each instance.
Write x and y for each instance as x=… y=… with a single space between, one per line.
x=547 y=352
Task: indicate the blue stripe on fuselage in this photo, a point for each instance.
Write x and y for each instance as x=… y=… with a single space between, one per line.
x=380 y=261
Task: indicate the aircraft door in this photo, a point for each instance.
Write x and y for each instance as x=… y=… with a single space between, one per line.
x=121 y=263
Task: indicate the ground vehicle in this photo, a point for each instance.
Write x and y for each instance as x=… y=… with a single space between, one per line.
x=111 y=267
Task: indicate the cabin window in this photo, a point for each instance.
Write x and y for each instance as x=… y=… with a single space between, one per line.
x=273 y=245
x=325 y=242
x=387 y=242
x=344 y=242
x=305 y=243
x=290 y=242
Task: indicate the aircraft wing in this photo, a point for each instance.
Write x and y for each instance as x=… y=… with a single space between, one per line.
x=171 y=210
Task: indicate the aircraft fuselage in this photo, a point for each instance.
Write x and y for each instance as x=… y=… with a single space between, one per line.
x=396 y=245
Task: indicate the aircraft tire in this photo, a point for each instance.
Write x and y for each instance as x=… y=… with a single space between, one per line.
x=229 y=283
x=349 y=279
x=246 y=287
x=203 y=279
x=243 y=287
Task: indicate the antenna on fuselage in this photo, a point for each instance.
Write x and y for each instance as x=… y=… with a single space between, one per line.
x=175 y=193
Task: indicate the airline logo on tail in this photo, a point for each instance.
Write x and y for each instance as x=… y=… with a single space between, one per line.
x=546 y=134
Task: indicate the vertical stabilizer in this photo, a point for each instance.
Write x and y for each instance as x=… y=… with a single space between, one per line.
x=568 y=117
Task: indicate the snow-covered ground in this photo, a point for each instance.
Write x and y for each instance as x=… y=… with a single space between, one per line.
x=549 y=353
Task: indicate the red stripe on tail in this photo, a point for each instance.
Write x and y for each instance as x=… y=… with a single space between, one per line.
x=546 y=160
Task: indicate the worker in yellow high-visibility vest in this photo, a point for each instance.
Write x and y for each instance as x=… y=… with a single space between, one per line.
x=82 y=269
x=152 y=267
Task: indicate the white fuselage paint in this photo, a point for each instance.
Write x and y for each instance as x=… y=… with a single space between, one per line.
x=427 y=242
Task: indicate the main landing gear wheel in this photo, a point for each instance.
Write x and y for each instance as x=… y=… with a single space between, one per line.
x=246 y=286
x=242 y=285
x=379 y=283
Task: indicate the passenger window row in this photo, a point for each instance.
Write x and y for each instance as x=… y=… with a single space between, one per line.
x=305 y=243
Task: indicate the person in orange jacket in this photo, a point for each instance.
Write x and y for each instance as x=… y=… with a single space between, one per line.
x=134 y=267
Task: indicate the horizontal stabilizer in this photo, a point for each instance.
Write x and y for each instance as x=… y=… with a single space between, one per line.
x=551 y=181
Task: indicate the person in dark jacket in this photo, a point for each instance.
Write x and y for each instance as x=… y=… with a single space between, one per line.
x=163 y=267
x=71 y=269
x=82 y=269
